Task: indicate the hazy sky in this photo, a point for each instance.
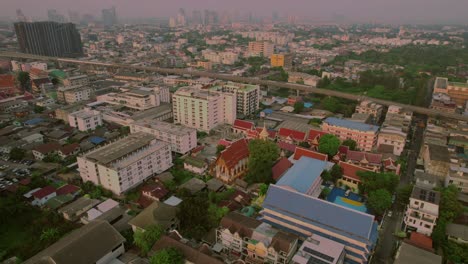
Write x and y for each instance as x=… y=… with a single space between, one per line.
x=426 y=11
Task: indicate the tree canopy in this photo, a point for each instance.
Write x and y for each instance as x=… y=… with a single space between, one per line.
x=23 y=80
x=298 y=107
x=194 y=216
x=372 y=181
x=167 y=256
x=329 y=144
x=263 y=155
x=379 y=201
x=336 y=172
x=449 y=209
x=350 y=143
x=146 y=239
x=17 y=153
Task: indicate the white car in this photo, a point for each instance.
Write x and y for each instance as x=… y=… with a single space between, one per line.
x=390 y=213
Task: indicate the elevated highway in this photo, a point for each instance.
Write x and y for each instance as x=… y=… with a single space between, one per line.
x=228 y=77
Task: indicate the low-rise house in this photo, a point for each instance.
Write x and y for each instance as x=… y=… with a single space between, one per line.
x=314 y=137
x=97 y=242
x=76 y=209
x=411 y=254
x=69 y=150
x=371 y=161
x=422 y=211
x=201 y=255
x=158 y=213
x=436 y=160
x=254 y=241
x=41 y=151
x=193 y=185
x=98 y=210
x=426 y=180
x=43 y=195
x=58 y=136
x=151 y=192
x=317 y=249
x=232 y=162
x=457 y=233
x=68 y=189
x=195 y=165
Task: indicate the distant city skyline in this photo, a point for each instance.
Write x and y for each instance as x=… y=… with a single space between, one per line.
x=395 y=11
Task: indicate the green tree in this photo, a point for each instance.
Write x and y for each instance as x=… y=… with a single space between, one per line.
x=449 y=209
x=262 y=189
x=336 y=172
x=23 y=80
x=50 y=234
x=262 y=156
x=372 y=181
x=379 y=201
x=195 y=220
x=146 y=239
x=331 y=104
x=403 y=195
x=298 y=107
x=329 y=144
x=167 y=256
x=326 y=176
x=17 y=153
x=304 y=144
x=39 y=109
x=220 y=148
x=55 y=81
x=350 y=143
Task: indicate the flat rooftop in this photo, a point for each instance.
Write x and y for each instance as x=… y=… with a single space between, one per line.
x=350 y=124
x=166 y=127
x=120 y=148
x=84 y=113
x=194 y=92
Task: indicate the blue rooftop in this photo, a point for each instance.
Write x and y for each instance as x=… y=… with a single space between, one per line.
x=308 y=104
x=34 y=121
x=350 y=124
x=302 y=175
x=267 y=111
x=323 y=214
x=96 y=140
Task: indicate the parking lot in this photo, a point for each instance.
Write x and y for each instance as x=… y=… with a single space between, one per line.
x=13 y=172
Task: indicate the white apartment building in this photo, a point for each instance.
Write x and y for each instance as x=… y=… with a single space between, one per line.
x=139 y=99
x=203 y=109
x=393 y=137
x=125 y=163
x=368 y=107
x=458 y=176
x=423 y=210
x=224 y=57
x=79 y=80
x=182 y=139
x=74 y=94
x=86 y=119
x=261 y=48
x=247 y=95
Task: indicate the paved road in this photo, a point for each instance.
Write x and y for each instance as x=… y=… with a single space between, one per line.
x=386 y=247
x=229 y=77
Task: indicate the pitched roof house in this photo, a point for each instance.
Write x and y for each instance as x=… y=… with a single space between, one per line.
x=232 y=162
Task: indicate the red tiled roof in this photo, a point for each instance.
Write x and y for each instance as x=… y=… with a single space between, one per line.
x=236 y=152
x=350 y=170
x=144 y=201
x=197 y=149
x=358 y=156
x=280 y=168
x=271 y=133
x=37 y=72
x=252 y=133
x=48 y=147
x=243 y=125
x=67 y=189
x=389 y=162
x=44 y=192
x=224 y=142
x=294 y=134
x=421 y=241
x=287 y=146
x=343 y=149
x=315 y=134
x=66 y=150
x=25 y=182
x=309 y=153
x=7 y=81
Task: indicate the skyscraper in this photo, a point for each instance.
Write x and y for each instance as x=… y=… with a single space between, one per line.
x=49 y=39
x=109 y=17
x=20 y=16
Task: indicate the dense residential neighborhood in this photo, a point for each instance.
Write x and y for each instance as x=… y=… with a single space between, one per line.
x=214 y=137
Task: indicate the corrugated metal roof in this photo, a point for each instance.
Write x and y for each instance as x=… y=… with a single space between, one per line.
x=303 y=174
x=333 y=217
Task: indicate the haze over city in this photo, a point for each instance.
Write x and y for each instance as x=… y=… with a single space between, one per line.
x=395 y=11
